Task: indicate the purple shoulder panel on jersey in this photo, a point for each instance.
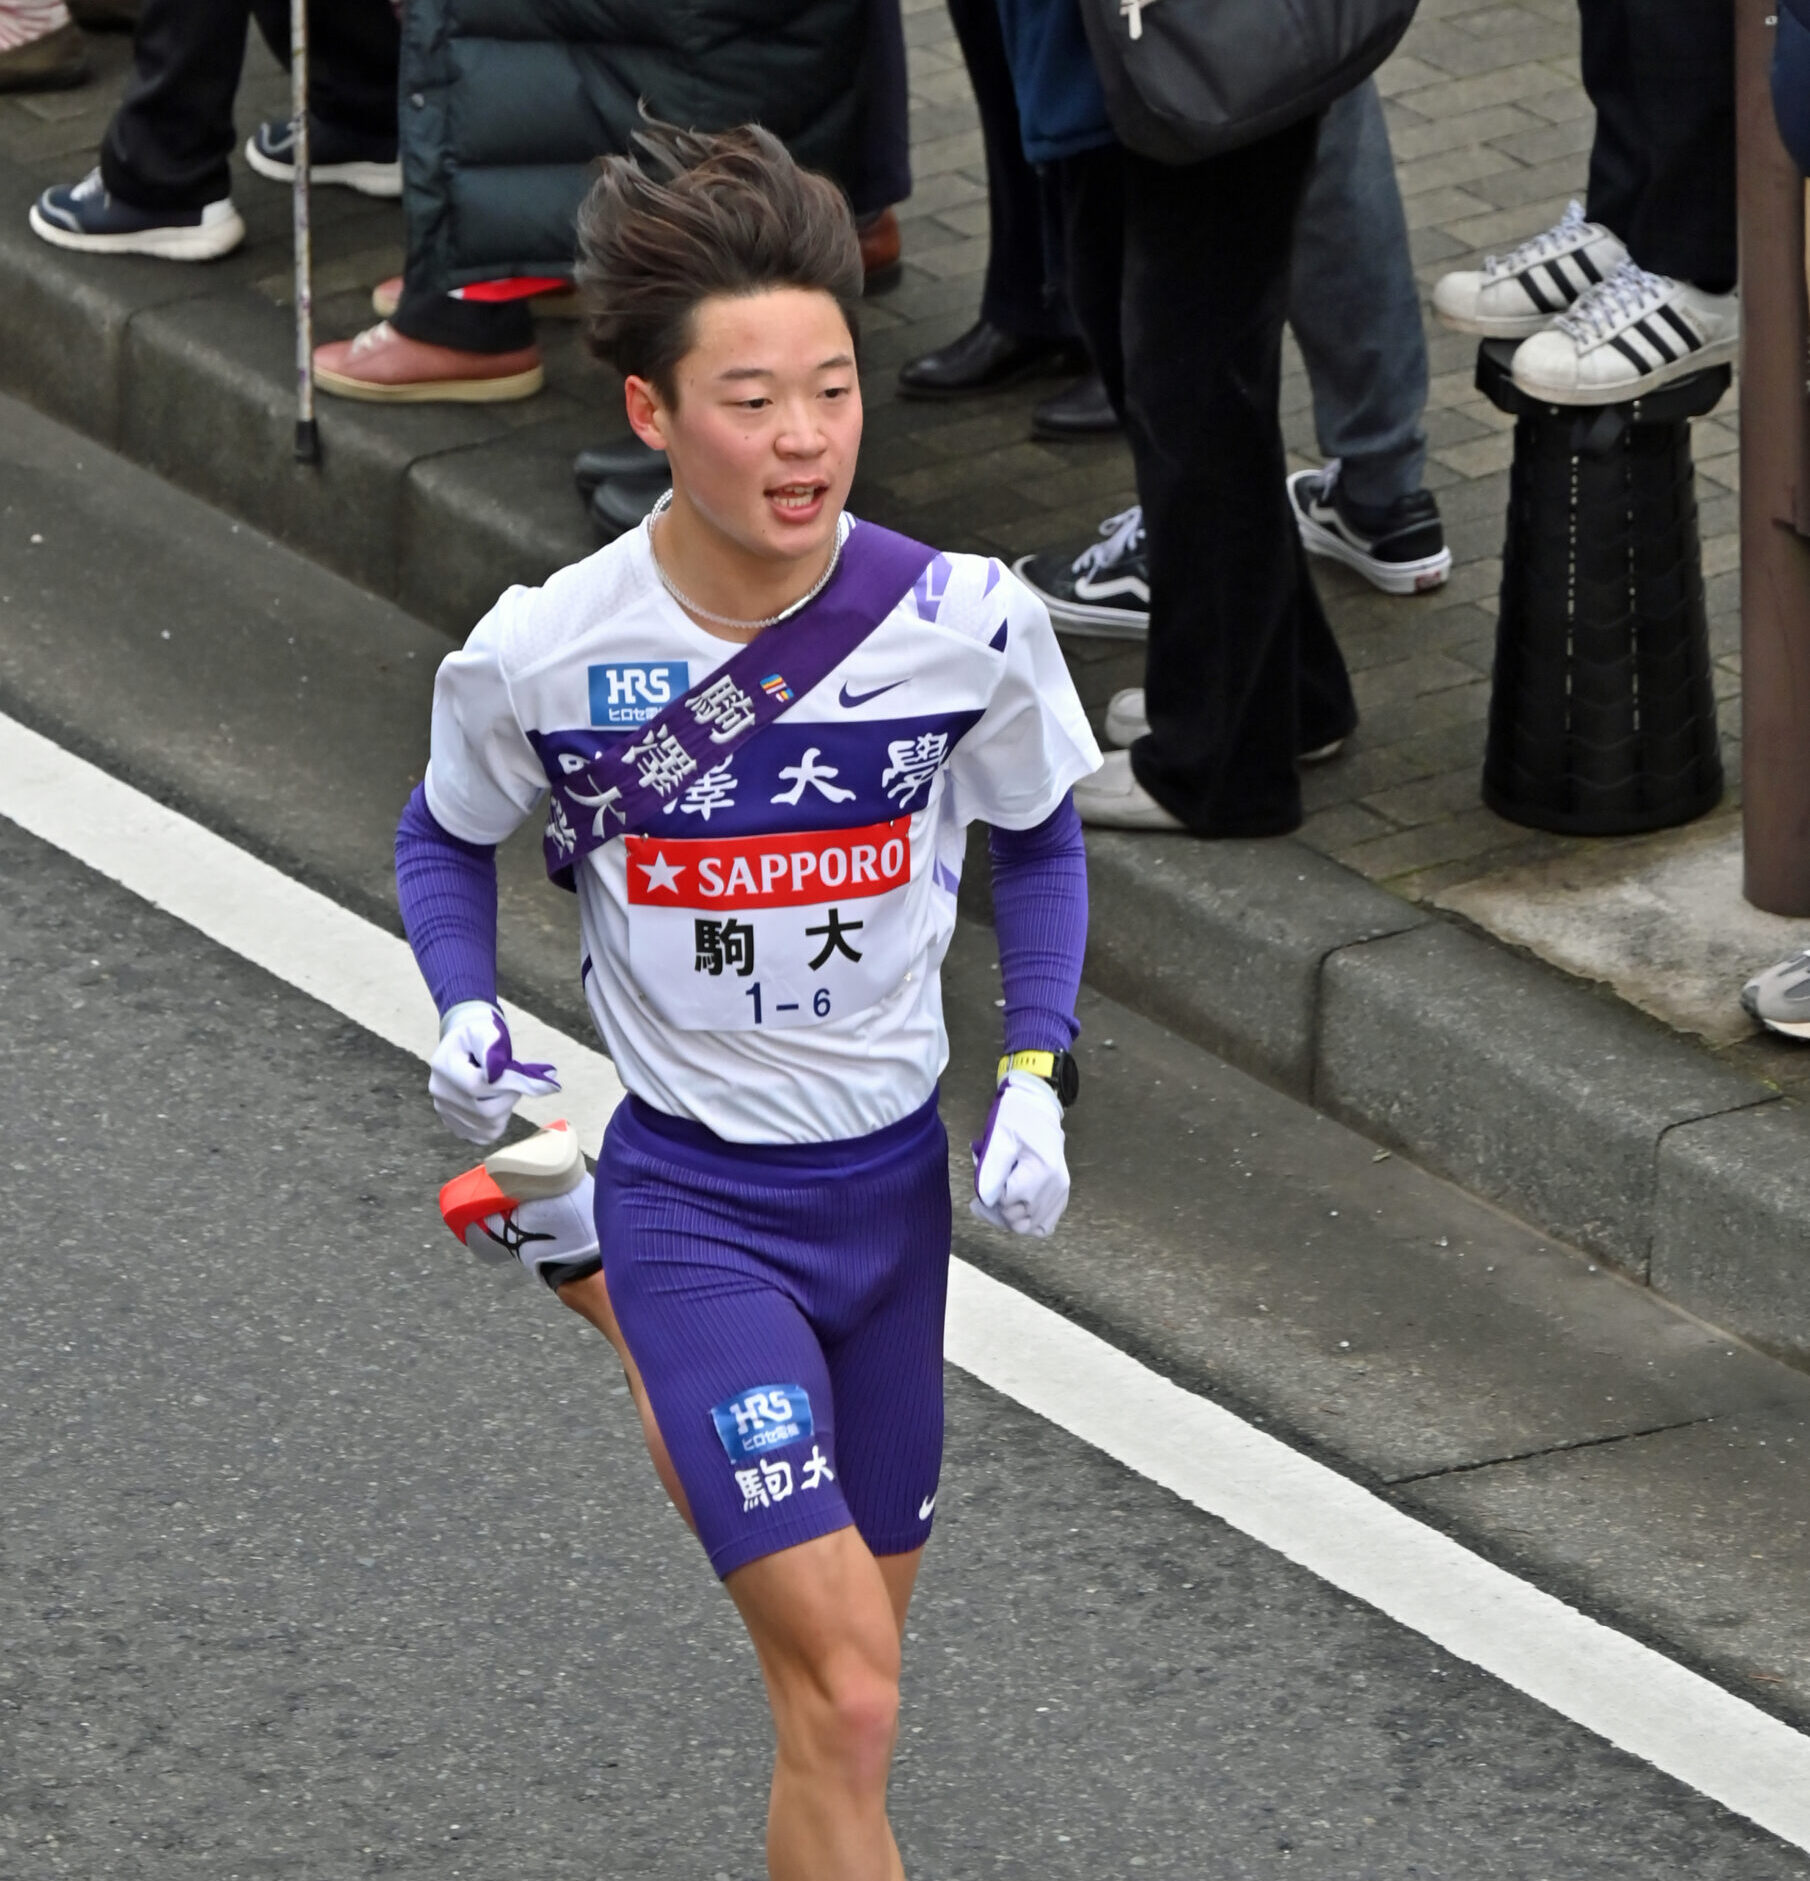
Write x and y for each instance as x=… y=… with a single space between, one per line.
x=624 y=789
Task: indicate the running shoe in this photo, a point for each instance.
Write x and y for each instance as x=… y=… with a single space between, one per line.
x=1633 y=334
x=1105 y=590
x=366 y=164
x=1127 y=722
x=84 y=216
x=529 y=1202
x=1516 y=294
x=1399 y=547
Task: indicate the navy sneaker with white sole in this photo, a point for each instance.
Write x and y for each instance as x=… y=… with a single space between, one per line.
x=85 y=217
x=366 y=164
x=1105 y=590
x=1399 y=548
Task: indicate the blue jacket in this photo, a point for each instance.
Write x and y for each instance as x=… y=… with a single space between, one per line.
x=1061 y=108
x=1791 y=80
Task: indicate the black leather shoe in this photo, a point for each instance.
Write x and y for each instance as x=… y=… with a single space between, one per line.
x=1081 y=410
x=982 y=360
x=626 y=457
x=619 y=503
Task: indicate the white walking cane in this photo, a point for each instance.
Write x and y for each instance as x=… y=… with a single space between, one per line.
x=307 y=438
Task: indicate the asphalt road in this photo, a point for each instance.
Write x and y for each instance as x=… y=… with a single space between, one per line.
x=328 y=1553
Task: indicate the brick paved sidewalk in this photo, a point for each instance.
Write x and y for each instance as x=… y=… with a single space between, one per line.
x=1491 y=132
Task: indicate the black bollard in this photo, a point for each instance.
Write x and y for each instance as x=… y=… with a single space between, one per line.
x=1603 y=708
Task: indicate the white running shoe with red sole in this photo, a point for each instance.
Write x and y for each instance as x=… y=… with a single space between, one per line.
x=529 y=1202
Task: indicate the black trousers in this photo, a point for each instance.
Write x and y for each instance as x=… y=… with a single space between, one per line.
x=1023 y=292
x=1661 y=74
x=1179 y=277
x=169 y=141
x=879 y=172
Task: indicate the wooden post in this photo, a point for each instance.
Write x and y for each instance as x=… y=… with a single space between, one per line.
x=1775 y=487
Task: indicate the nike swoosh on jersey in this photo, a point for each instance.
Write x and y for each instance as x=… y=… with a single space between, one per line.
x=925 y=1507
x=861 y=698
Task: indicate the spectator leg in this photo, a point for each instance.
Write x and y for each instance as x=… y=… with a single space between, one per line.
x=1355 y=307
x=1618 y=152
x=1090 y=190
x=1242 y=670
x=1682 y=55
x=1023 y=291
x=468 y=326
x=169 y=141
x=880 y=162
x=353 y=46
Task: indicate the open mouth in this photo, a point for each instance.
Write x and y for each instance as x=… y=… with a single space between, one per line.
x=797 y=498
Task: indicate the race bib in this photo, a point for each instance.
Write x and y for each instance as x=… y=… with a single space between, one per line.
x=736 y=932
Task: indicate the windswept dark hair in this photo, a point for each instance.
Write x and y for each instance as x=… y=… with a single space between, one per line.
x=688 y=215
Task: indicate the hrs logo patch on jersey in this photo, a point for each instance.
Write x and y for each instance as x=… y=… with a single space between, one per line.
x=632 y=692
x=767 y=1418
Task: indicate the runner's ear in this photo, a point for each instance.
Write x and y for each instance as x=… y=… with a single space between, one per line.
x=642 y=402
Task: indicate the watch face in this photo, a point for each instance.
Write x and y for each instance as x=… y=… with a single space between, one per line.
x=1067 y=1079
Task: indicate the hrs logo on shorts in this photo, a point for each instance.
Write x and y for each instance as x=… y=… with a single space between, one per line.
x=766 y=1418
x=632 y=692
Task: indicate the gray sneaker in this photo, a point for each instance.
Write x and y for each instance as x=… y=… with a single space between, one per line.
x=1780 y=997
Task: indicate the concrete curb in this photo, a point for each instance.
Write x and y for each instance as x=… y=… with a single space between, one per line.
x=1521 y=1084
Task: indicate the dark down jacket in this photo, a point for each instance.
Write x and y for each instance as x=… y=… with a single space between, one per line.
x=505 y=104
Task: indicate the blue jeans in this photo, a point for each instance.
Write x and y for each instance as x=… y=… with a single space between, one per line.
x=1355 y=308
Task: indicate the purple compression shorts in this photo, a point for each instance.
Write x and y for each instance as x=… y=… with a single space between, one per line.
x=784 y=1304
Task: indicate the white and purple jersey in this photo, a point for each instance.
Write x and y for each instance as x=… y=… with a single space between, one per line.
x=763 y=957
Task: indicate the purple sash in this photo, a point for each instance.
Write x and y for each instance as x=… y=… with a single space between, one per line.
x=622 y=791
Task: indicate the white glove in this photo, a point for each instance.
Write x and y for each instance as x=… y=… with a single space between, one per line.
x=473 y=1076
x=1020 y=1173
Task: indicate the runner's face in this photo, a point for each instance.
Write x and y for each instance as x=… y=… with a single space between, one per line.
x=764 y=435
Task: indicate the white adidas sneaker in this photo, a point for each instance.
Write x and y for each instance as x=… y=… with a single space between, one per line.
x=530 y=1202
x=1518 y=293
x=1633 y=334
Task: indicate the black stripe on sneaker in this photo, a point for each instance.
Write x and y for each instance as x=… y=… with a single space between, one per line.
x=1659 y=343
x=1537 y=294
x=1556 y=270
x=1679 y=325
x=1631 y=354
x=1587 y=267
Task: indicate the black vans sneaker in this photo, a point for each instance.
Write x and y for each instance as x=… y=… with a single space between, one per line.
x=1103 y=591
x=366 y=164
x=1399 y=548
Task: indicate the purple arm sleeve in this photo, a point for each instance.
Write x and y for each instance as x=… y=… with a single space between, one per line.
x=447 y=889
x=1040 y=918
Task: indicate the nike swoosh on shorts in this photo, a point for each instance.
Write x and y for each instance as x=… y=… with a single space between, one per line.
x=861 y=698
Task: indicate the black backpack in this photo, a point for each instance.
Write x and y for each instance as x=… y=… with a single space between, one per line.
x=1186 y=79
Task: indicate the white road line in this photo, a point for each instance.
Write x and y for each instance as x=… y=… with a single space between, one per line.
x=1625 y=1692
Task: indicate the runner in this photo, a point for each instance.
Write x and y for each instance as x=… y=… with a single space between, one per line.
x=761 y=729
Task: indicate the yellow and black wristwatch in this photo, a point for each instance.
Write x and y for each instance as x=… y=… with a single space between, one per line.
x=1057 y=1069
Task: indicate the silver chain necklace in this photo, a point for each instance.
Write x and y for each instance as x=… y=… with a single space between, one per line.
x=726 y=620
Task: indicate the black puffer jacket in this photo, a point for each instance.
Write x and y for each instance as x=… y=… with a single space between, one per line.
x=505 y=104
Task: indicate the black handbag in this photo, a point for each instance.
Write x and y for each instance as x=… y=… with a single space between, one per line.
x=1186 y=79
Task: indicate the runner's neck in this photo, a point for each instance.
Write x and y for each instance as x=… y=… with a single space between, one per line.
x=710 y=574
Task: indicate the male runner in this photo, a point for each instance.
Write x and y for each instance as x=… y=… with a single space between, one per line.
x=765 y=727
